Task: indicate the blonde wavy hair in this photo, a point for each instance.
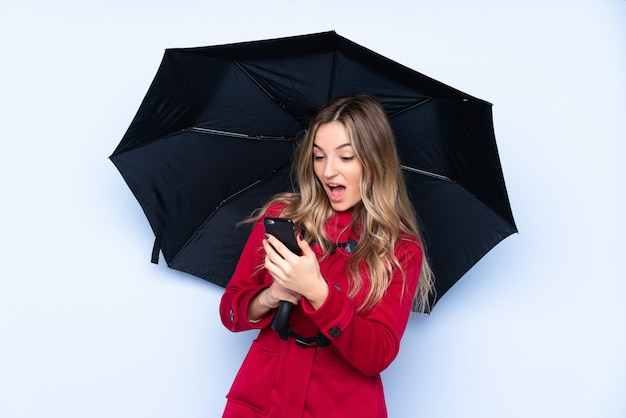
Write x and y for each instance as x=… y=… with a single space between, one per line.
x=385 y=214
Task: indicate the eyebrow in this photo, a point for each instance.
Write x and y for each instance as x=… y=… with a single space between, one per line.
x=347 y=144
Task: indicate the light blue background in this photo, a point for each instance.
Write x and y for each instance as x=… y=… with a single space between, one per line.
x=89 y=328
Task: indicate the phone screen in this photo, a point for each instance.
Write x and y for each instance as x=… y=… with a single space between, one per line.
x=284 y=230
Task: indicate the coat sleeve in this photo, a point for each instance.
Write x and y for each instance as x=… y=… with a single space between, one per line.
x=247 y=281
x=370 y=341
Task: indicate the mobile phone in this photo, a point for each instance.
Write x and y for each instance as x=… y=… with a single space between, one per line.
x=284 y=230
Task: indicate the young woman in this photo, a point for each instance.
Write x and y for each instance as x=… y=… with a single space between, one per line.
x=361 y=270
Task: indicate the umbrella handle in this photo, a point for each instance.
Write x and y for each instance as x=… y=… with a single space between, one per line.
x=281 y=319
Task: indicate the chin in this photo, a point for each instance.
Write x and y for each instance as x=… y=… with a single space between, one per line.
x=341 y=207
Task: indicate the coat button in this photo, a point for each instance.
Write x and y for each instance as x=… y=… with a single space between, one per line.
x=337 y=286
x=232 y=316
x=334 y=332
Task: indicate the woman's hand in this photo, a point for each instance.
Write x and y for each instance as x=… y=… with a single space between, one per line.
x=275 y=293
x=269 y=299
x=297 y=274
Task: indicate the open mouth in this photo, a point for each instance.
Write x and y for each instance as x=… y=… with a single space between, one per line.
x=336 y=191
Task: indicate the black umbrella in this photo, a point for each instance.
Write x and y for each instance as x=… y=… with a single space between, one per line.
x=214 y=137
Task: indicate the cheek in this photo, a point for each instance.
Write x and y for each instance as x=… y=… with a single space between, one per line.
x=317 y=170
x=356 y=174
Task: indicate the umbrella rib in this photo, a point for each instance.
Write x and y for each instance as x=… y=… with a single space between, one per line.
x=411 y=107
x=237 y=135
x=427 y=173
x=234 y=195
x=248 y=187
x=331 y=84
x=270 y=95
x=228 y=199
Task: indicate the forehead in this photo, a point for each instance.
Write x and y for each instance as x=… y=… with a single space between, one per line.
x=332 y=135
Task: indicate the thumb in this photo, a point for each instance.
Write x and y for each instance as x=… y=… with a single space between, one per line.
x=304 y=246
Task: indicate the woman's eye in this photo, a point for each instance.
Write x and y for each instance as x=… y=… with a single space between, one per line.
x=318 y=157
x=348 y=158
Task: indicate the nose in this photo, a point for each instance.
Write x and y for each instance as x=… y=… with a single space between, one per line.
x=330 y=169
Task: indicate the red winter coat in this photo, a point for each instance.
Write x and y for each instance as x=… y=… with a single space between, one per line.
x=279 y=378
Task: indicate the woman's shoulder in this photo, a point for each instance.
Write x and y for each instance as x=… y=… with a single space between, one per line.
x=275 y=209
x=408 y=245
x=278 y=204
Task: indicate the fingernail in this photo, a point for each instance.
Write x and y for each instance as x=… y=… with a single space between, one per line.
x=266 y=235
x=301 y=237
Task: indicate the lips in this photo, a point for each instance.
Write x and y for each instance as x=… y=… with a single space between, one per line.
x=335 y=192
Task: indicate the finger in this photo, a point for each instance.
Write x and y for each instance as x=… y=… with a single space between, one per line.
x=288 y=296
x=270 y=250
x=279 y=269
x=279 y=247
x=274 y=270
x=272 y=245
x=304 y=246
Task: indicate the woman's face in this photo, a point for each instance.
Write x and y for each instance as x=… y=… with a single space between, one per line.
x=336 y=166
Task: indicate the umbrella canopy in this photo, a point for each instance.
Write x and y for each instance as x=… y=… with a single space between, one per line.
x=214 y=137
